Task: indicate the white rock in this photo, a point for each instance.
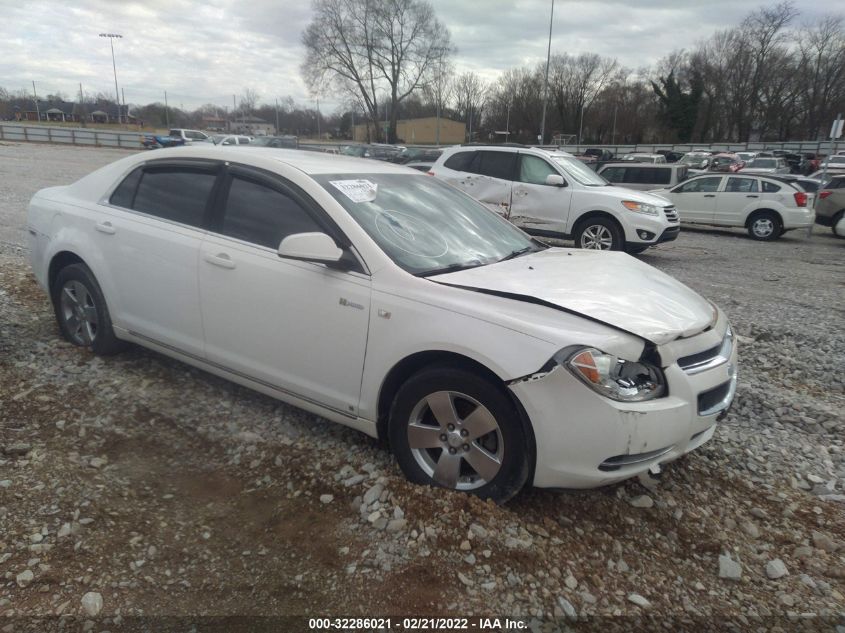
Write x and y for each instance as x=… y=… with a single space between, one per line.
x=571 y=582
x=24 y=578
x=326 y=498
x=729 y=568
x=638 y=600
x=776 y=569
x=373 y=494
x=64 y=530
x=642 y=501
x=464 y=579
x=568 y=610
x=92 y=603
x=396 y=525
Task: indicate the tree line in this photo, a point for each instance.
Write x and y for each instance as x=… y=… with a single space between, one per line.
x=773 y=77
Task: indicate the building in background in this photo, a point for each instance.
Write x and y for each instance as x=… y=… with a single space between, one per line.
x=418 y=131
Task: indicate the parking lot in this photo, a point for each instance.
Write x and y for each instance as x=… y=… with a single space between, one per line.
x=172 y=492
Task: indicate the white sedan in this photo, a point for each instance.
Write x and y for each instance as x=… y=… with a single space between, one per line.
x=766 y=207
x=388 y=301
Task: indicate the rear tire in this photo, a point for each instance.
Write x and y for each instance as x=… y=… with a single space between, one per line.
x=81 y=311
x=836 y=219
x=764 y=226
x=455 y=429
x=601 y=234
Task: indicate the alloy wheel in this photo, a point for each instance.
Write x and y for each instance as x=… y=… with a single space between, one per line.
x=763 y=227
x=597 y=237
x=79 y=313
x=455 y=440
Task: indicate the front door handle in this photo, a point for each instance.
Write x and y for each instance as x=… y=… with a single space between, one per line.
x=752 y=196
x=709 y=195
x=221 y=259
x=105 y=227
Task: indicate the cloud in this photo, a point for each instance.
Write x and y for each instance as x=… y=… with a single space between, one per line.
x=206 y=51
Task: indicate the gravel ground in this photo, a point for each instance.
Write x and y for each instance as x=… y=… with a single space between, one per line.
x=138 y=486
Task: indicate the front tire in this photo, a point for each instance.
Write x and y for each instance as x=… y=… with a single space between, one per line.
x=81 y=311
x=764 y=226
x=600 y=234
x=454 y=429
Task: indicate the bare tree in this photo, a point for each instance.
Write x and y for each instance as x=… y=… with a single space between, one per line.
x=470 y=97
x=248 y=101
x=364 y=47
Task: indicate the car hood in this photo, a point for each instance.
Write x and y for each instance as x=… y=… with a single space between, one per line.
x=609 y=287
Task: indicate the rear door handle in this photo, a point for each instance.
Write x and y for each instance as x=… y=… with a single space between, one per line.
x=752 y=196
x=709 y=195
x=221 y=259
x=105 y=227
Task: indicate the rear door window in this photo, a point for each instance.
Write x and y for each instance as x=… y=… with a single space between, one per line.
x=700 y=185
x=648 y=176
x=263 y=215
x=742 y=185
x=175 y=193
x=498 y=164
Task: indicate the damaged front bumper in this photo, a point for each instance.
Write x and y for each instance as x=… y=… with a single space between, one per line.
x=585 y=440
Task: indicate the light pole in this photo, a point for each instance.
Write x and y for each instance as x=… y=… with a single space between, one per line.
x=546 y=81
x=112 y=37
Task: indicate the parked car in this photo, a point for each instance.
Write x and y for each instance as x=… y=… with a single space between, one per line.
x=374 y=151
x=726 y=162
x=643 y=176
x=554 y=194
x=640 y=157
x=766 y=166
x=830 y=208
x=409 y=154
x=833 y=162
x=286 y=141
x=601 y=155
x=230 y=139
x=746 y=156
x=696 y=160
x=388 y=301
x=671 y=156
x=188 y=136
x=157 y=141
x=766 y=207
x=822 y=175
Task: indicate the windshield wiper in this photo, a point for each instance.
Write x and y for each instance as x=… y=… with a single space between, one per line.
x=451 y=268
x=516 y=253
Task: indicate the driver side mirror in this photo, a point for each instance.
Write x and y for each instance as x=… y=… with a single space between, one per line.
x=555 y=180
x=310 y=247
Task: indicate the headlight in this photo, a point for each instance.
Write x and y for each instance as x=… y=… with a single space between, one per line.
x=641 y=207
x=614 y=377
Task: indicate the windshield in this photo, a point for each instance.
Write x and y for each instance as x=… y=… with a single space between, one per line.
x=765 y=163
x=579 y=171
x=424 y=225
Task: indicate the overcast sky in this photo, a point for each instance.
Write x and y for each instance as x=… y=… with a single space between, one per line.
x=204 y=51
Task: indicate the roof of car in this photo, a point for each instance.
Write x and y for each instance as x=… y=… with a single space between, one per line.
x=308 y=162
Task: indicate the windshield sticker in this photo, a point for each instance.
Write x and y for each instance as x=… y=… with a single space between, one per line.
x=411 y=235
x=357 y=190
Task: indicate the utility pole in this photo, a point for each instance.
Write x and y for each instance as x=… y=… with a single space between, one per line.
x=613 y=136
x=352 y=112
x=277 y=116
x=508 y=122
x=34 y=94
x=112 y=37
x=123 y=94
x=81 y=106
x=581 y=126
x=166 y=113
x=546 y=80
x=470 y=124
x=318 y=118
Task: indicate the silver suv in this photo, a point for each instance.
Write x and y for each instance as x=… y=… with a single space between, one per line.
x=644 y=177
x=554 y=194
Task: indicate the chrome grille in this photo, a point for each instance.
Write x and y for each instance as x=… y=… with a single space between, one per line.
x=671 y=214
x=709 y=358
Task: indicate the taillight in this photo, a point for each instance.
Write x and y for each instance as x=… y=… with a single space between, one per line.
x=800 y=198
x=825 y=194
x=429 y=173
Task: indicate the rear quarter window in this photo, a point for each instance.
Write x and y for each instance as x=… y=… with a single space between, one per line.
x=459 y=161
x=125 y=192
x=770 y=187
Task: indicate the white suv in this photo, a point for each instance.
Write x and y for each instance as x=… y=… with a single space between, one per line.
x=556 y=195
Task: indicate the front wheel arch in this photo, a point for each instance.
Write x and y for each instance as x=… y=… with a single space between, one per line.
x=410 y=365
x=595 y=215
x=61 y=260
